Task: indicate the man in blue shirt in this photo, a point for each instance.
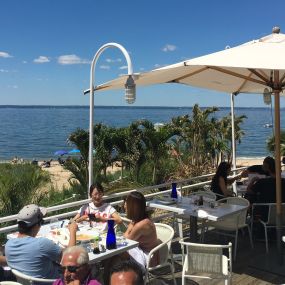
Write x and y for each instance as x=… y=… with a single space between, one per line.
x=37 y=257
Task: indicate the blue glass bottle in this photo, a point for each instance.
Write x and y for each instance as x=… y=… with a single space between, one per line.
x=111 y=236
x=173 y=194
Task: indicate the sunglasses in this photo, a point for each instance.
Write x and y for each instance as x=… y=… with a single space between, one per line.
x=71 y=268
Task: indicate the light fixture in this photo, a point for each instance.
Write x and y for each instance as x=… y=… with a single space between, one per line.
x=130 y=90
x=130 y=97
x=267 y=96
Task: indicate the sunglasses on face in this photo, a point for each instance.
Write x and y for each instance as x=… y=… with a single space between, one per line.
x=71 y=268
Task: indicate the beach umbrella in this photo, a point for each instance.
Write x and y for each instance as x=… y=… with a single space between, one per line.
x=61 y=152
x=73 y=151
x=257 y=67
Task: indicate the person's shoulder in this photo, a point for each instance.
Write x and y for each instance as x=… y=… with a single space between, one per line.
x=93 y=282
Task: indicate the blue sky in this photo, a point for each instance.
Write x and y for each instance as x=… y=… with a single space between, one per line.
x=46 y=46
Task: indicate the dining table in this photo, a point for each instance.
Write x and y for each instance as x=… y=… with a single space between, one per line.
x=186 y=206
x=86 y=236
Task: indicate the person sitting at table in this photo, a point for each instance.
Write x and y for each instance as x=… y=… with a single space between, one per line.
x=97 y=212
x=127 y=272
x=140 y=229
x=263 y=190
x=220 y=181
x=75 y=267
x=33 y=256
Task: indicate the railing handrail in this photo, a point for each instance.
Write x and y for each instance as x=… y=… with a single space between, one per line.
x=180 y=184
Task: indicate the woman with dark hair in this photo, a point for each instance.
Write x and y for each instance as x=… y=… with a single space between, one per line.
x=220 y=180
x=97 y=212
x=141 y=229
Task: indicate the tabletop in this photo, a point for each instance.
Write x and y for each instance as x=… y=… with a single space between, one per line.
x=186 y=207
x=59 y=233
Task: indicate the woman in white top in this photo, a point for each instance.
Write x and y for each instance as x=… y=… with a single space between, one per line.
x=97 y=212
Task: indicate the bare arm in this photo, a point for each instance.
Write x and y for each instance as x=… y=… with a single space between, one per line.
x=136 y=231
x=72 y=232
x=117 y=218
x=223 y=187
x=3 y=261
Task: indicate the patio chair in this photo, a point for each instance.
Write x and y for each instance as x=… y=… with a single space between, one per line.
x=165 y=234
x=25 y=279
x=269 y=221
x=207 y=261
x=231 y=223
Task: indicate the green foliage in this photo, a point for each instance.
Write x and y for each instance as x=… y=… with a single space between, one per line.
x=20 y=185
x=270 y=143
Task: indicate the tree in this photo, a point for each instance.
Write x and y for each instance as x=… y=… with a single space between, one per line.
x=270 y=143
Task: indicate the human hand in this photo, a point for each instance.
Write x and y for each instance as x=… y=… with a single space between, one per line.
x=72 y=227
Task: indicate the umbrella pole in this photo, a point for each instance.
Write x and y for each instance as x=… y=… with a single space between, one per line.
x=278 y=166
x=233 y=139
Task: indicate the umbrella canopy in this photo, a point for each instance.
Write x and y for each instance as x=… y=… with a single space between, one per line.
x=73 y=151
x=247 y=68
x=61 y=152
x=257 y=66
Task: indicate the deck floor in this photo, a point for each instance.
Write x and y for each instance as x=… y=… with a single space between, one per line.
x=252 y=266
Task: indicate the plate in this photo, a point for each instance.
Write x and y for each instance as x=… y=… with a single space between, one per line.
x=166 y=201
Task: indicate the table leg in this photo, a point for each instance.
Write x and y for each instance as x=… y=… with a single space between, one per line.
x=193 y=229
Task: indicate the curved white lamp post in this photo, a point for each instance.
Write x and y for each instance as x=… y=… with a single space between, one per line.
x=130 y=96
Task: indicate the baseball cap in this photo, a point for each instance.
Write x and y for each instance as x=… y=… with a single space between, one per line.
x=31 y=214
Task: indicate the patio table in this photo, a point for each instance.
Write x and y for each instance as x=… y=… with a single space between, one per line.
x=58 y=233
x=186 y=207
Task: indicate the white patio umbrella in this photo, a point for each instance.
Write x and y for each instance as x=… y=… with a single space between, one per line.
x=257 y=66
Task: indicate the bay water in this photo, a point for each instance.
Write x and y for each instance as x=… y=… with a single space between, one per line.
x=38 y=131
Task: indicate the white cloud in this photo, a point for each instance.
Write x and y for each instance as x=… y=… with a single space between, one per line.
x=141 y=68
x=5 y=54
x=71 y=59
x=109 y=60
x=24 y=61
x=4 y=70
x=123 y=67
x=157 y=65
x=169 y=47
x=41 y=59
x=104 y=66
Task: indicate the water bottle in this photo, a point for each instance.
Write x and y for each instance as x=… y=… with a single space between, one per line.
x=111 y=236
x=173 y=191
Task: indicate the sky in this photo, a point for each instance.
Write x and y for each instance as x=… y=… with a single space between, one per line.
x=46 y=46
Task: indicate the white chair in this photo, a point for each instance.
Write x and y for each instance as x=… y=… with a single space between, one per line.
x=29 y=280
x=207 y=261
x=269 y=221
x=231 y=223
x=165 y=234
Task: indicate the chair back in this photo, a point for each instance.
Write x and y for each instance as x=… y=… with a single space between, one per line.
x=206 y=258
x=206 y=194
x=29 y=280
x=165 y=235
x=271 y=216
x=237 y=219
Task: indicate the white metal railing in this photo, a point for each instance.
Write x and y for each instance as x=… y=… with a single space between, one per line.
x=181 y=185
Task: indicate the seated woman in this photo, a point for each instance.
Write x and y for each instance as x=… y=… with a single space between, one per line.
x=220 y=181
x=141 y=229
x=100 y=211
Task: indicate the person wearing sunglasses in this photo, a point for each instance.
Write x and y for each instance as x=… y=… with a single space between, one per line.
x=75 y=268
x=31 y=255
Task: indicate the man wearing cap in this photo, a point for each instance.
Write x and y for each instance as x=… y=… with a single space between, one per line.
x=37 y=257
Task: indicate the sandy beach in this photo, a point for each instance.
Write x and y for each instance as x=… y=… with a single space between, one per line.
x=60 y=176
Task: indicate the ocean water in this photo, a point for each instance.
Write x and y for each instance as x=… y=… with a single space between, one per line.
x=38 y=131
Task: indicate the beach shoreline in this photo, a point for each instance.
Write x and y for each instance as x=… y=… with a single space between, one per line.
x=60 y=176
